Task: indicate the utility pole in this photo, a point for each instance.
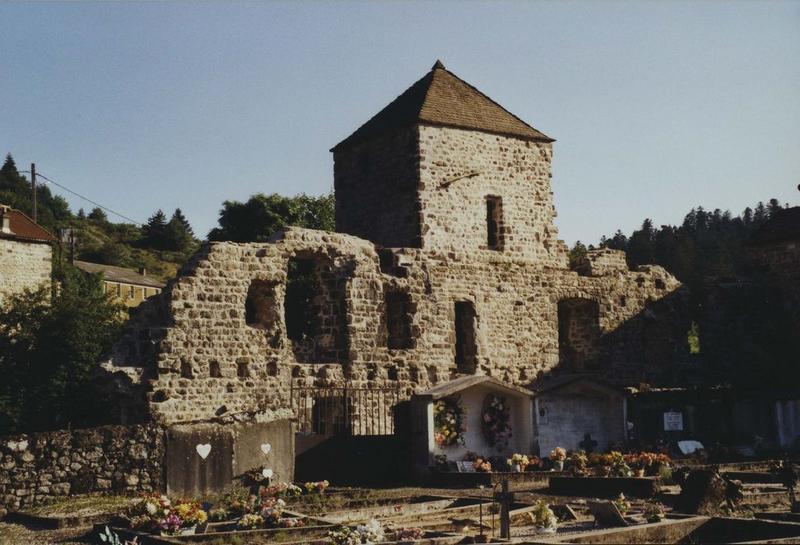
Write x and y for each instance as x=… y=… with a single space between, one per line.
x=33 y=190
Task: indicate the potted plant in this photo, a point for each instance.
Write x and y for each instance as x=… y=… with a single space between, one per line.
x=618 y=466
x=543 y=518
x=518 y=462
x=482 y=465
x=557 y=456
x=623 y=505
x=408 y=535
x=250 y=521
x=578 y=462
x=653 y=511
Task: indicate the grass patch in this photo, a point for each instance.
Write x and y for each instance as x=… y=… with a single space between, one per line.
x=80 y=506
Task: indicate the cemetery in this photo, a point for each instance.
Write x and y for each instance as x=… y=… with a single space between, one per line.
x=437 y=371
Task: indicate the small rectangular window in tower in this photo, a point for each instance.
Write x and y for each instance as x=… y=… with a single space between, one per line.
x=398 y=320
x=494 y=223
x=466 y=347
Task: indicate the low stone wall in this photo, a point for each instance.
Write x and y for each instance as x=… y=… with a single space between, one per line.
x=40 y=467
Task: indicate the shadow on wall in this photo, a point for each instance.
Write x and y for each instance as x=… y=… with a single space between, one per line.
x=650 y=347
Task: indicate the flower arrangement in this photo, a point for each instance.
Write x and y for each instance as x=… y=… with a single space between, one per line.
x=599 y=459
x=543 y=518
x=558 y=454
x=317 y=487
x=496 y=421
x=448 y=419
x=519 y=460
x=250 y=521
x=218 y=514
x=237 y=502
x=147 y=512
x=271 y=510
x=482 y=464
x=619 y=468
x=344 y=536
x=408 y=534
x=157 y=513
x=190 y=512
x=291 y=523
x=653 y=511
x=282 y=490
x=171 y=525
x=371 y=532
x=578 y=461
x=363 y=534
x=623 y=505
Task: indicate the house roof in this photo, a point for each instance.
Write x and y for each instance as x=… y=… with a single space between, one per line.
x=119 y=274
x=552 y=383
x=462 y=383
x=784 y=225
x=24 y=228
x=442 y=98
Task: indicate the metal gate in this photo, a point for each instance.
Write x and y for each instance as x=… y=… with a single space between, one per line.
x=344 y=410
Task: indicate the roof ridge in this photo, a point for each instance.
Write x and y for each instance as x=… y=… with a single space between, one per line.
x=441 y=98
x=490 y=99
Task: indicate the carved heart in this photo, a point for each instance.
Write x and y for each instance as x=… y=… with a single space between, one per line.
x=203 y=450
x=266 y=448
x=267 y=473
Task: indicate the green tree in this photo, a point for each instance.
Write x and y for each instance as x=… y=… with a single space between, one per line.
x=179 y=236
x=98 y=214
x=15 y=191
x=576 y=254
x=49 y=349
x=258 y=218
x=154 y=232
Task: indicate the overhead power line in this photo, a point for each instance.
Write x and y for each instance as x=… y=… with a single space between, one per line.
x=87 y=199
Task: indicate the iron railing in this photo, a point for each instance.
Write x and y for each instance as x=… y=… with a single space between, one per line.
x=344 y=410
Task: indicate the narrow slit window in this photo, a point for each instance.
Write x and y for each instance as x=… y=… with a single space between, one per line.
x=398 y=320
x=494 y=223
x=465 y=329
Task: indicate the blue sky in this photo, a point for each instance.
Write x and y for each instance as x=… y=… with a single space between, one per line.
x=656 y=106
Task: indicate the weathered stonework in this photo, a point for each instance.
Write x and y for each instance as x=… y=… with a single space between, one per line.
x=450 y=265
x=39 y=467
x=23 y=265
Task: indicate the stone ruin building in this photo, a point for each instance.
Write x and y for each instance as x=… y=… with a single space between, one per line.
x=446 y=262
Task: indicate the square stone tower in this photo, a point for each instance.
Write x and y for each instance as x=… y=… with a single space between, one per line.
x=446 y=169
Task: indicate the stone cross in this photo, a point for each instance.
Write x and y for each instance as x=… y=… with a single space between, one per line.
x=505 y=499
x=588 y=443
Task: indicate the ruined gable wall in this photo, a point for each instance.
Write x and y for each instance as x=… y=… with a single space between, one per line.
x=516 y=304
x=454 y=211
x=209 y=334
x=23 y=265
x=376 y=189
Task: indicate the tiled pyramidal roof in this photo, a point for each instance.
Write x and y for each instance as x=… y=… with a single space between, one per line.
x=442 y=98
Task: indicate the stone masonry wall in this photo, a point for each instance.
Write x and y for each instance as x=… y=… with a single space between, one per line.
x=459 y=169
x=23 y=265
x=40 y=467
x=376 y=186
x=198 y=363
x=214 y=344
